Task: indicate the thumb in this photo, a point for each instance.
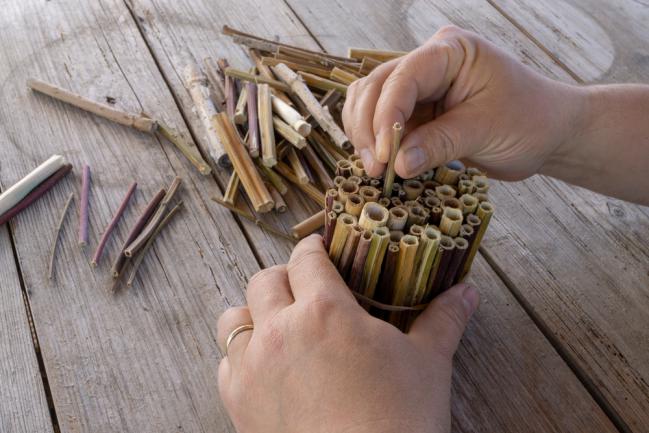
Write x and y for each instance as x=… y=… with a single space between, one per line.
x=439 y=328
x=451 y=136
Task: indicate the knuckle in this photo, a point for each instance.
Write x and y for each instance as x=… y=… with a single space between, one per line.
x=448 y=30
x=230 y=318
x=310 y=258
x=261 y=278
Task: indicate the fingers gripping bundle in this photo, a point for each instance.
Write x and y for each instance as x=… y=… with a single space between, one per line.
x=399 y=244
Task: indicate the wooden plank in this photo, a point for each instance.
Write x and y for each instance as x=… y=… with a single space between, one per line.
x=23 y=406
x=143 y=360
x=483 y=405
x=182 y=32
x=596 y=40
x=577 y=260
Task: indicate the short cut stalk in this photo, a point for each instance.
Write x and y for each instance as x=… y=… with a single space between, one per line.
x=113 y=223
x=83 y=206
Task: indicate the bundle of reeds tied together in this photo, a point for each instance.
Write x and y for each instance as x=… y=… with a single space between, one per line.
x=400 y=244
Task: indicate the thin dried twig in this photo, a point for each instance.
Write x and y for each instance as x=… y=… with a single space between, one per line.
x=57 y=233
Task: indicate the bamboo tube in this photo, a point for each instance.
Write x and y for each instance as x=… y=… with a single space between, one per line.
x=290 y=134
x=232 y=190
x=445 y=191
x=342 y=76
x=196 y=84
x=57 y=233
x=344 y=225
x=274 y=178
x=291 y=116
x=259 y=223
x=250 y=179
x=330 y=196
x=459 y=253
x=413 y=188
x=255 y=79
x=326 y=157
x=416 y=215
x=431 y=202
x=394 y=149
x=337 y=153
x=311 y=69
x=330 y=224
x=36 y=193
x=309 y=225
x=355 y=179
x=380 y=55
x=452 y=202
x=349 y=250
x=429 y=240
x=436 y=215
x=384 y=201
x=416 y=230
x=481 y=184
x=466 y=187
x=358 y=168
x=137 y=121
x=474 y=171
x=397 y=219
x=241 y=110
x=83 y=206
x=187 y=148
x=467 y=232
x=451 y=222
x=373 y=215
x=374 y=260
x=230 y=89
x=369 y=193
x=358 y=264
x=322 y=116
x=307 y=188
x=344 y=168
x=484 y=213
x=111 y=226
x=405 y=268
x=317 y=167
x=280 y=204
x=297 y=167
x=253 y=120
x=354 y=205
x=12 y=196
x=396 y=235
x=338 y=180
x=469 y=204
x=264 y=111
x=319 y=82
x=444 y=256
x=481 y=196
x=345 y=189
x=367 y=65
x=385 y=290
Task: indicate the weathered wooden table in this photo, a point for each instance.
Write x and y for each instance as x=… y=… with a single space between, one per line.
x=560 y=342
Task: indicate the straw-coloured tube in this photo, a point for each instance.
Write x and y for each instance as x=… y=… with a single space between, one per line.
x=469 y=204
x=484 y=212
x=413 y=188
x=345 y=189
x=394 y=149
x=343 y=227
x=264 y=111
x=374 y=261
x=358 y=265
x=347 y=256
x=83 y=206
x=354 y=205
x=405 y=268
x=373 y=215
x=291 y=116
x=309 y=225
x=397 y=219
x=451 y=222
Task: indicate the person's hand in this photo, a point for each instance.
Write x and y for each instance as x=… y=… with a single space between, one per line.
x=316 y=361
x=460 y=97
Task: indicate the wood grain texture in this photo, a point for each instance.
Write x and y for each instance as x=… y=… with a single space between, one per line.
x=182 y=32
x=579 y=262
x=143 y=360
x=597 y=40
x=23 y=406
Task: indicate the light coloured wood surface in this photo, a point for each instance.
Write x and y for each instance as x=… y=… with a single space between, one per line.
x=576 y=260
x=23 y=406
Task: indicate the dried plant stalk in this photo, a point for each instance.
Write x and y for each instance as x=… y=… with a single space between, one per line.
x=241 y=110
x=309 y=225
x=36 y=193
x=186 y=147
x=137 y=121
x=264 y=111
x=266 y=227
x=394 y=149
x=251 y=181
x=150 y=208
x=57 y=233
x=349 y=250
x=451 y=221
x=459 y=252
x=83 y=206
x=290 y=134
x=230 y=89
x=311 y=69
x=12 y=196
x=232 y=190
x=485 y=211
x=256 y=79
x=321 y=83
x=444 y=256
x=296 y=166
x=291 y=116
x=322 y=116
x=344 y=225
x=318 y=168
x=196 y=84
x=280 y=204
x=113 y=223
x=274 y=178
x=358 y=264
x=307 y=188
x=253 y=120
x=373 y=215
x=429 y=241
x=150 y=227
x=380 y=55
x=163 y=222
x=367 y=65
x=342 y=76
x=408 y=246
x=374 y=260
x=216 y=80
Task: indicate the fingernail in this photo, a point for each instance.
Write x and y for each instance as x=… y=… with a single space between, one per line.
x=470 y=300
x=414 y=160
x=367 y=157
x=382 y=147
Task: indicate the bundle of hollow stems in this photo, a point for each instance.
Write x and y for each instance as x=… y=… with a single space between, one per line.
x=400 y=244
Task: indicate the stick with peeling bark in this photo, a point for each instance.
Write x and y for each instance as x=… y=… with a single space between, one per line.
x=150 y=227
x=291 y=116
x=241 y=110
x=322 y=116
x=57 y=234
x=137 y=121
x=83 y=206
x=251 y=181
x=196 y=83
x=230 y=89
x=112 y=224
x=36 y=193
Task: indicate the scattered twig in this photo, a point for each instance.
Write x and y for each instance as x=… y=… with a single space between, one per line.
x=57 y=234
x=112 y=224
x=83 y=206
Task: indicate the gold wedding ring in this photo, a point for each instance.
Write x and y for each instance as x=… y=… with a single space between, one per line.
x=236 y=331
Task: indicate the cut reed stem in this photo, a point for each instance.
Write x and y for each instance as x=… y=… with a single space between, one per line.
x=186 y=147
x=291 y=116
x=309 y=225
x=232 y=190
x=113 y=223
x=83 y=206
x=394 y=149
x=267 y=227
x=264 y=111
x=256 y=79
x=57 y=234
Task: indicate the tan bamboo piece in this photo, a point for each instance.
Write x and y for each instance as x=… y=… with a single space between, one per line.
x=342 y=76
x=309 y=225
x=310 y=69
x=185 y=146
x=232 y=190
x=280 y=204
x=380 y=55
x=257 y=79
x=196 y=83
x=318 y=82
x=484 y=213
x=317 y=167
x=373 y=215
x=274 y=178
x=367 y=65
x=250 y=179
x=469 y=204
x=445 y=191
x=394 y=149
x=451 y=222
x=466 y=186
x=297 y=166
x=137 y=121
x=291 y=116
x=344 y=225
x=354 y=205
x=346 y=188
x=266 y=73
x=266 y=131
x=290 y=134
x=429 y=240
x=307 y=188
x=413 y=188
x=247 y=215
x=369 y=193
x=240 y=111
x=322 y=116
x=397 y=218
x=405 y=268
x=349 y=250
x=374 y=260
